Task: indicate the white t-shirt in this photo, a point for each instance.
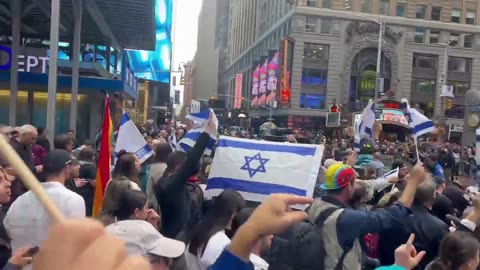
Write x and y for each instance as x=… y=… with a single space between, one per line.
x=215 y=246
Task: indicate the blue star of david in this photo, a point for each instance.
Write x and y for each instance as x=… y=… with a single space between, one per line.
x=260 y=168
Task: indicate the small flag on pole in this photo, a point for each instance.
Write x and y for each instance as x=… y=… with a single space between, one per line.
x=418 y=122
x=131 y=140
x=364 y=126
x=200 y=121
x=172 y=140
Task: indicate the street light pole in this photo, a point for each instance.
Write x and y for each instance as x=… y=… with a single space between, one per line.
x=379 y=61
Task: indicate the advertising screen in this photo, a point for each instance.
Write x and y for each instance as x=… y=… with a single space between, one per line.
x=272 y=76
x=155 y=65
x=262 y=87
x=255 y=82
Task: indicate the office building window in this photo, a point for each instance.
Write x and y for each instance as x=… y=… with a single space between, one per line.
x=425 y=61
x=421 y=11
x=310 y=24
x=459 y=88
x=436 y=13
x=434 y=36
x=347 y=4
x=315 y=51
x=456 y=15
x=312 y=101
x=470 y=18
x=314 y=76
x=311 y=3
x=326 y=26
x=468 y=41
x=423 y=85
x=367 y=6
x=327 y=4
x=419 y=35
x=401 y=8
x=384 y=7
x=457 y=64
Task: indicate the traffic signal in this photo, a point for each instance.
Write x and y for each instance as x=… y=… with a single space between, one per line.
x=182 y=79
x=448 y=104
x=334 y=108
x=285 y=93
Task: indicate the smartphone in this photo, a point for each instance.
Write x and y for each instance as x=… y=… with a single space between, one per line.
x=31 y=252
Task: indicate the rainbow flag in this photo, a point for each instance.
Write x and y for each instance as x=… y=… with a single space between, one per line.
x=104 y=159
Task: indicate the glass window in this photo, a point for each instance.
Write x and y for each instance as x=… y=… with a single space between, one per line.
x=347 y=4
x=312 y=101
x=401 y=8
x=314 y=76
x=468 y=41
x=436 y=13
x=470 y=18
x=326 y=26
x=310 y=24
x=459 y=88
x=384 y=7
x=366 y=6
x=311 y=3
x=434 y=36
x=457 y=64
x=315 y=51
x=425 y=61
x=423 y=85
x=421 y=11
x=419 y=35
x=456 y=15
x=327 y=4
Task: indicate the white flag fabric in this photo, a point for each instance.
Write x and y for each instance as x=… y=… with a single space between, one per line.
x=172 y=140
x=364 y=126
x=257 y=169
x=131 y=140
x=200 y=121
x=386 y=178
x=418 y=122
x=447 y=91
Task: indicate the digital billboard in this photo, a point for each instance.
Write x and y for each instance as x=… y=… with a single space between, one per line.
x=255 y=82
x=155 y=65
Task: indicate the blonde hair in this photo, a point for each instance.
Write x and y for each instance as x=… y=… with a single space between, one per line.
x=27 y=129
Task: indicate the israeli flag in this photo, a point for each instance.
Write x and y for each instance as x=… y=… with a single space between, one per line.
x=200 y=121
x=418 y=122
x=257 y=169
x=364 y=126
x=131 y=140
x=172 y=140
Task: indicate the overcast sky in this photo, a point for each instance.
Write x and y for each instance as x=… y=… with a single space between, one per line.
x=185 y=36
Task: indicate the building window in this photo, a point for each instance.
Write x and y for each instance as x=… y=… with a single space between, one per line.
x=453 y=39
x=423 y=85
x=425 y=61
x=315 y=51
x=468 y=41
x=401 y=8
x=457 y=64
x=470 y=18
x=419 y=35
x=366 y=6
x=327 y=4
x=311 y=3
x=436 y=13
x=459 y=88
x=314 y=76
x=434 y=36
x=326 y=26
x=347 y=5
x=456 y=15
x=310 y=24
x=384 y=8
x=421 y=11
x=312 y=101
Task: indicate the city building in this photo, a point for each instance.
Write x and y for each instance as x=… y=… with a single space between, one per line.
x=187 y=84
x=335 y=53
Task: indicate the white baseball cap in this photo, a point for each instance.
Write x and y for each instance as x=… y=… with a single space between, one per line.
x=142 y=238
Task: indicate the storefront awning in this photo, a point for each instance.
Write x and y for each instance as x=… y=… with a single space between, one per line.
x=65 y=81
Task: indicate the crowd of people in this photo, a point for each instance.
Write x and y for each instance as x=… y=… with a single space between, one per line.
x=423 y=217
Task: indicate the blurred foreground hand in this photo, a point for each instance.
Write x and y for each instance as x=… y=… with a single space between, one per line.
x=84 y=244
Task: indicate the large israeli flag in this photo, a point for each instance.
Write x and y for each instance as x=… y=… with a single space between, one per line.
x=131 y=140
x=257 y=169
x=418 y=122
x=200 y=121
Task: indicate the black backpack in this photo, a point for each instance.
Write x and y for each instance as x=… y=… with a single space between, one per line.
x=302 y=247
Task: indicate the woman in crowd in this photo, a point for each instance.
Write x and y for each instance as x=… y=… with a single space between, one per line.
x=110 y=201
x=208 y=238
x=157 y=168
x=127 y=165
x=132 y=205
x=458 y=251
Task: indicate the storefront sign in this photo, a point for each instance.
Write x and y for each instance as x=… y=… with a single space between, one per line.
x=238 y=91
x=31 y=62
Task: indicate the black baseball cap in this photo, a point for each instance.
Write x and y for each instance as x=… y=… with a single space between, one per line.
x=55 y=161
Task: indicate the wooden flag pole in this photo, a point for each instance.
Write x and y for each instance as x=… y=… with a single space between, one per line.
x=27 y=177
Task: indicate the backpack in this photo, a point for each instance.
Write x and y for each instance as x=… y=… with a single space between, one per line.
x=303 y=247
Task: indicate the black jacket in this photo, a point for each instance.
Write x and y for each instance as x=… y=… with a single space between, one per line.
x=429 y=232
x=88 y=171
x=457 y=195
x=173 y=193
x=442 y=206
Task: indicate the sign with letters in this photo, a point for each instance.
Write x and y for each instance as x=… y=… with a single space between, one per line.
x=32 y=60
